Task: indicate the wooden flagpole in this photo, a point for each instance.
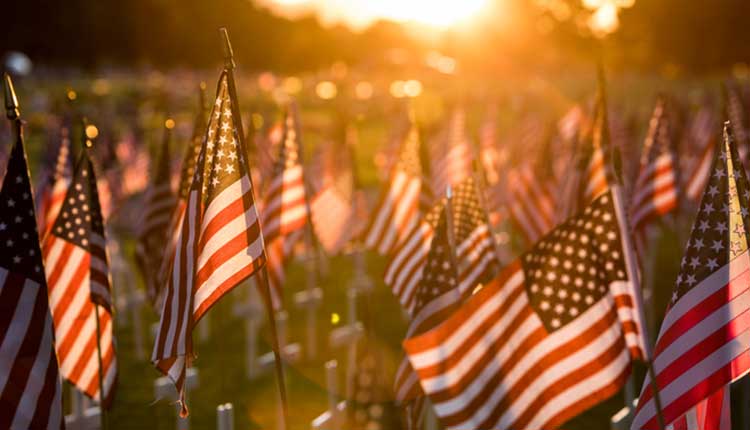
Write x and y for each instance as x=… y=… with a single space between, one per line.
x=104 y=421
x=11 y=101
x=263 y=275
x=103 y=411
x=633 y=275
x=630 y=260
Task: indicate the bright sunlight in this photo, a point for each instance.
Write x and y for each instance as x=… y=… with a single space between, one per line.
x=360 y=13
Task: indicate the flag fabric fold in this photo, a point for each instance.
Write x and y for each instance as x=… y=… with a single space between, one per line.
x=475 y=253
x=77 y=270
x=159 y=205
x=52 y=192
x=704 y=340
x=220 y=243
x=551 y=336
x=655 y=191
x=397 y=211
x=187 y=172
x=30 y=388
x=437 y=296
x=285 y=206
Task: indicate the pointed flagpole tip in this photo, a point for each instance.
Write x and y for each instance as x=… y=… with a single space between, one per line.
x=727 y=133
x=11 y=101
x=227 y=47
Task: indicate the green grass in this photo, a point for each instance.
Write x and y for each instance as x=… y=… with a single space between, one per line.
x=221 y=365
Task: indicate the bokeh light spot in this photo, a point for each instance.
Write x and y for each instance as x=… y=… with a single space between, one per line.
x=326 y=90
x=335 y=318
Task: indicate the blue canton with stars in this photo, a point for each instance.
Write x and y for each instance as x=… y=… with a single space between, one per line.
x=439 y=271
x=572 y=267
x=713 y=241
x=80 y=215
x=289 y=150
x=219 y=165
x=19 y=240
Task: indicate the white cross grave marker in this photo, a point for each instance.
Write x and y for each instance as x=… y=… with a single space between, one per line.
x=253 y=312
x=130 y=303
x=347 y=335
x=332 y=418
x=83 y=415
x=225 y=417
x=624 y=417
x=289 y=352
x=310 y=300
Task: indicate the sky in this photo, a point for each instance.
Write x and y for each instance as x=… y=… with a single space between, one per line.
x=359 y=14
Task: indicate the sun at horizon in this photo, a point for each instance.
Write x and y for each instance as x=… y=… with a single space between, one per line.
x=361 y=13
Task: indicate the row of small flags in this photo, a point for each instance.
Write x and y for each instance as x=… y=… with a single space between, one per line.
x=554 y=333
x=528 y=346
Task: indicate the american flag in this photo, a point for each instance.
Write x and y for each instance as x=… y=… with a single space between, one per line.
x=159 y=205
x=491 y=157
x=3 y=157
x=388 y=154
x=335 y=194
x=621 y=131
x=570 y=123
x=713 y=413
x=597 y=173
x=397 y=211
x=655 y=192
x=572 y=161
x=551 y=336
x=133 y=161
x=437 y=296
x=187 y=171
x=77 y=270
x=53 y=190
x=285 y=207
x=267 y=141
x=531 y=200
x=278 y=254
x=371 y=406
x=737 y=115
x=451 y=155
x=30 y=389
x=700 y=144
x=220 y=243
x=474 y=246
x=492 y=162
x=704 y=340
